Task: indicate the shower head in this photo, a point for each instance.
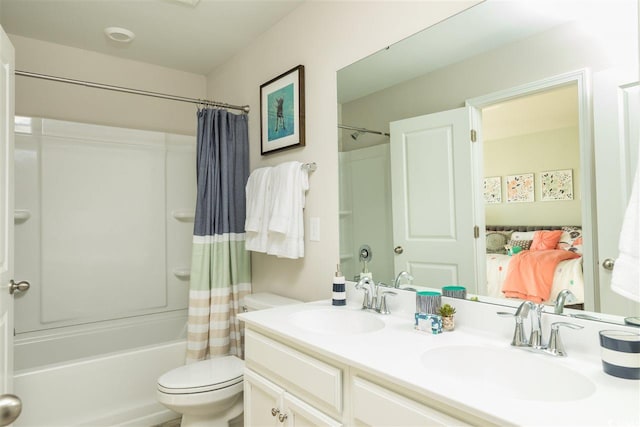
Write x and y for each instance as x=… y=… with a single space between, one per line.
x=360 y=131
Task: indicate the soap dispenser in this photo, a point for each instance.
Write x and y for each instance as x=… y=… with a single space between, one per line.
x=339 y=290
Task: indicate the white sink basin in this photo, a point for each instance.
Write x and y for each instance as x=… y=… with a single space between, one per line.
x=337 y=321
x=514 y=373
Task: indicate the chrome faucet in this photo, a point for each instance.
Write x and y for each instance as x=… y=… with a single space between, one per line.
x=400 y=276
x=563 y=297
x=534 y=312
x=373 y=301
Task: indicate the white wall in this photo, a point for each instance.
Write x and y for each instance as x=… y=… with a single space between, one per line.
x=40 y=98
x=324 y=37
x=534 y=153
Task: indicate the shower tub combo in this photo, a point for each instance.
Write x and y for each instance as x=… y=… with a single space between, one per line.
x=104 y=218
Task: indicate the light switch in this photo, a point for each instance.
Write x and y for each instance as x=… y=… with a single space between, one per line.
x=314 y=229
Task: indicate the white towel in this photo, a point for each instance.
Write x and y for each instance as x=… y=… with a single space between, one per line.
x=286 y=224
x=626 y=271
x=259 y=203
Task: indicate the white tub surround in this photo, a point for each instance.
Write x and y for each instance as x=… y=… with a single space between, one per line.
x=388 y=375
x=103 y=235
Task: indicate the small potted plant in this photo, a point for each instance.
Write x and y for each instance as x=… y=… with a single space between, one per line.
x=447 y=312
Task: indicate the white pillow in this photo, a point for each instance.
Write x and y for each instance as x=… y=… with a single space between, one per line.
x=522 y=235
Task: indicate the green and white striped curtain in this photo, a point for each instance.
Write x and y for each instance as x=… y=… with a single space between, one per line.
x=220 y=265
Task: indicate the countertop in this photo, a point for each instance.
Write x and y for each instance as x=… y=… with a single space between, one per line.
x=396 y=353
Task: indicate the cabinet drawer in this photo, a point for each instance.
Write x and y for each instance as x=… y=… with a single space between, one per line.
x=307 y=374
x=375 y=405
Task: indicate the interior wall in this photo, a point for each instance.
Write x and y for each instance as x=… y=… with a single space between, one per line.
x=324 y=37
x=54 y=100
x=556 y=149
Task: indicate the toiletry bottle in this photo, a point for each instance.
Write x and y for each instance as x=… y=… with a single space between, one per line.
x=339 y=290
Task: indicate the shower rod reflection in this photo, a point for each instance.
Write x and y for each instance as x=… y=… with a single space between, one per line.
x=360 y=131
x=205 y=102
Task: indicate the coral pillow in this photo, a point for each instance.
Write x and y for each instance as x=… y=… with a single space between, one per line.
x=545 y=240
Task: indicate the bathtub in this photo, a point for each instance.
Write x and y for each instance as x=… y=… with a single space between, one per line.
x=86 y=388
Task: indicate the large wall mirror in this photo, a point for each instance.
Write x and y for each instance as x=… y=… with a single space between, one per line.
x=550 y=90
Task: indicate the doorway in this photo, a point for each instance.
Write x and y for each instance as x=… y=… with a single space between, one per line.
x=529 y=137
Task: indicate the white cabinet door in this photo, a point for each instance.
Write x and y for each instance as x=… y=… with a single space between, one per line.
x=262 y=401
x=433 y=220
x=301 y=414
x=376 y=406
x=266 y=404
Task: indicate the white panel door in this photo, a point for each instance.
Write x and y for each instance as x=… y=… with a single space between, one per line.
x=432 y=198
x=616 y=112
x=7 y=55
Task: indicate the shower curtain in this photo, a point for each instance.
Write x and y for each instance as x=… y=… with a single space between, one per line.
x=220 y=265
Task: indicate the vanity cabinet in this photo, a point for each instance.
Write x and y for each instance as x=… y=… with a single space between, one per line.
x=266 y=404
x=286 y=386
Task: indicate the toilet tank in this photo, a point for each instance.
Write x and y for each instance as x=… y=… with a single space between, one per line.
x=263 y=300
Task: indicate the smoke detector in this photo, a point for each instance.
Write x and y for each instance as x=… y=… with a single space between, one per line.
x=118 y=34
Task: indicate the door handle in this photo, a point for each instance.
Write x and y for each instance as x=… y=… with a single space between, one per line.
x=608 y=264
x=10 y=408
x=21 y=286
x=398 y=250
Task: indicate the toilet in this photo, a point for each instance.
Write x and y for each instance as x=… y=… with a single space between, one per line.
x=209 y=392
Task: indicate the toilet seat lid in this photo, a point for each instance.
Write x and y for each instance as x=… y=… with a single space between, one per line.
x=206 y=375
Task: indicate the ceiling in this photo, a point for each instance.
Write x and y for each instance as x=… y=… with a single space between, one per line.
x=169 y=33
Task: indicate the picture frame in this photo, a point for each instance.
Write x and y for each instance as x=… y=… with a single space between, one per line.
x=520 y=188
x=282 y=115
x=556 y=185
x=493 y=190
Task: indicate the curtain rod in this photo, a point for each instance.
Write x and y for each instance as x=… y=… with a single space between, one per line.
x=243 y=108
x=362 y=130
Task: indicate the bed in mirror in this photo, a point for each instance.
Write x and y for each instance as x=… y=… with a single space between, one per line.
x=532 y=80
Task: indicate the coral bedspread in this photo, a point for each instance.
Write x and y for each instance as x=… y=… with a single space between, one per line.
x=530 y=274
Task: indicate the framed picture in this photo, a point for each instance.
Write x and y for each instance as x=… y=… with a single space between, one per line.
x=556 y=185
x=520 y=188
x=493 y=190
x=282 y=112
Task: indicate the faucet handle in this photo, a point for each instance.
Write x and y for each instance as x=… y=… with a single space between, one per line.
x=383 y=309
x=519 y=339
x=556 y=347
x=366 y=301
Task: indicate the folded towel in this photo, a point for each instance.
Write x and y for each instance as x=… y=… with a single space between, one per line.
x=258 y=201
x=626 y=271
